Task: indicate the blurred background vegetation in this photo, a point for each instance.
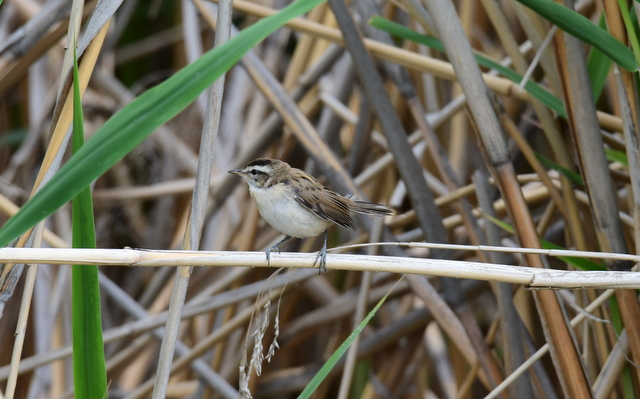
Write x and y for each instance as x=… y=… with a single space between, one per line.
x=440 y=168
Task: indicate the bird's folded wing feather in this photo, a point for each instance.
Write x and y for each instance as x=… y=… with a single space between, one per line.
x=323 y=202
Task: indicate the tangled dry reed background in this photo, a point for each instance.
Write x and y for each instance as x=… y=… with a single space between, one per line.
x=431 y=142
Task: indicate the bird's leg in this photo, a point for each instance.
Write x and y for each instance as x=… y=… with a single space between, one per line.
x=321 y=259
x=275 y=247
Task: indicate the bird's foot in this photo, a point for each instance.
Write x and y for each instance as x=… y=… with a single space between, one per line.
x=275 y=248
x=321 y=260
x=268 y=253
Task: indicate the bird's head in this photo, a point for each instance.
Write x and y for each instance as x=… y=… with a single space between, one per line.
x=262 y=172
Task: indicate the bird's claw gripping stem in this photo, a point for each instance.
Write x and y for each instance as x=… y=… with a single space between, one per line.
x=274 y=248
x=321 y=258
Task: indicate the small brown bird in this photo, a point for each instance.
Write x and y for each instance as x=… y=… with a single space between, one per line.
x=297 y=205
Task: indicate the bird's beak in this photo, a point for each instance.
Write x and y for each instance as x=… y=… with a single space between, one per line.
x=236 y=172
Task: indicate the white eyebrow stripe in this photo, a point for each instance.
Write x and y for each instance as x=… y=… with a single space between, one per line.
x=260 y=168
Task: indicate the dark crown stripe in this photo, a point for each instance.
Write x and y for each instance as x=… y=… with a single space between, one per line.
x=261 y=162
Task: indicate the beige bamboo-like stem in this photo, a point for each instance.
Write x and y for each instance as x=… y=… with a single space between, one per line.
x=531 y=277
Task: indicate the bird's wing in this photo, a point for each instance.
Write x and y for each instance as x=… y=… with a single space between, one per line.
x=323 y=202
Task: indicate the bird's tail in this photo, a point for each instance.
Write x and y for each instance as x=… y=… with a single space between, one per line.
x=369 y=208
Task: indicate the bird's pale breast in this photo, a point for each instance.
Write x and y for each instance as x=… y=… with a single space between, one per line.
x=279 y=208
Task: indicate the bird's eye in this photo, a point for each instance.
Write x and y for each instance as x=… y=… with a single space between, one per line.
x=253 y=172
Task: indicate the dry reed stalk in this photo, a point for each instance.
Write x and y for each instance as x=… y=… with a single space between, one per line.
x=321 y=108
x=564 y=353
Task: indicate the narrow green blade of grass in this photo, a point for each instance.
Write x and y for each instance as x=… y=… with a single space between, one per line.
x=579 y=26
x=534 y=89
x=13 y=137
x=598 y=66
x=361 y=378
x=618 y=325
x=135 y=122
x=89 y=370
x=634 y=16
x=616 y=156
x=631 y=32
x=627 y=382
x=616 y=317
x=342 y=349
x=569 y=174
x=580 y=263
